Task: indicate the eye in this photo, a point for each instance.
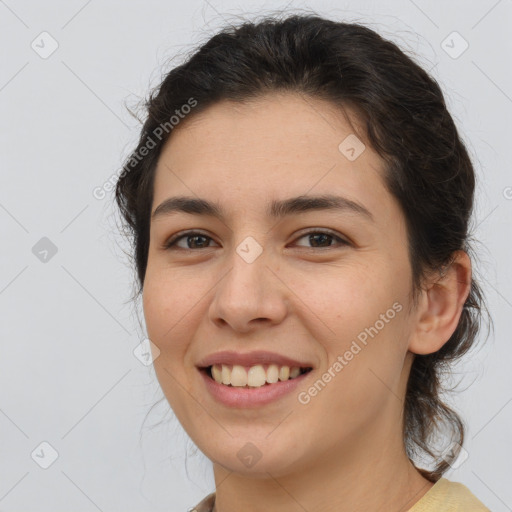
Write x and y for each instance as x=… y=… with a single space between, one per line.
x=198 y=240
x=320 y=237
x=195 y=236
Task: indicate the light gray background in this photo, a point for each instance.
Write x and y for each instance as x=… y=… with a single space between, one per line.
x=68 y=375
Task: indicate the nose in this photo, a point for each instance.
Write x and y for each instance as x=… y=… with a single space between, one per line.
x=249 y=295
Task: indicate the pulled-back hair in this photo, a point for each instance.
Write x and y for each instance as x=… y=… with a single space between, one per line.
x=405 y=120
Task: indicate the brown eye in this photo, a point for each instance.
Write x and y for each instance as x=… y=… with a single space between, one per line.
x=321 y=239
x=193 y=240
x=197 y=240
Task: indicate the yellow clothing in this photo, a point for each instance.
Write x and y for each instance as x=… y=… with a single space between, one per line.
x=443 y=496
x=448 y=496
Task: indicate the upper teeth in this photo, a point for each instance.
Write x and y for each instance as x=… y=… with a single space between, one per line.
x=255 y=376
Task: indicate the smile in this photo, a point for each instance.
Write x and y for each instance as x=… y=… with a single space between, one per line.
x=254 y=376
x=245 y=396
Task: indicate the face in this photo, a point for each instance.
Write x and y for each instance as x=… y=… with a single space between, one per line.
x=325 y=287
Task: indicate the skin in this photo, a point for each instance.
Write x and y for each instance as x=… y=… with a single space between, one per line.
x=343 y=450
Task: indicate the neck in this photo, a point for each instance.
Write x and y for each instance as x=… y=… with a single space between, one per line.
x=359 y=476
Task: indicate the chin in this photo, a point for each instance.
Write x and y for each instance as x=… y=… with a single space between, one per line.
x=256 y=458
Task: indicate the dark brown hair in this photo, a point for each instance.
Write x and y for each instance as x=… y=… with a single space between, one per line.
x=406 y=121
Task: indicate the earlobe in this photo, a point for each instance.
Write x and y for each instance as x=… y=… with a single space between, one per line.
x=440 y=306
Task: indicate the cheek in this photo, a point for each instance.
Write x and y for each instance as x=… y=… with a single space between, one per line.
x=347 y=297
x=364 y=308
x=365 y=383
x=166 y=304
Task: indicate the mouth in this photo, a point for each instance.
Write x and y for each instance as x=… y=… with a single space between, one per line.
x=241 y=387
x=256 y=376
x=252 y=379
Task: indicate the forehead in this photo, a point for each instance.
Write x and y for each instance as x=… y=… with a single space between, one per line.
x=277 y=146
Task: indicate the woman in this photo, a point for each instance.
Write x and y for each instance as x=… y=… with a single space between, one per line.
x=299 y=202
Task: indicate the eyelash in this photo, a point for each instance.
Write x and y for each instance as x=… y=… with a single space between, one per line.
x=171 y=243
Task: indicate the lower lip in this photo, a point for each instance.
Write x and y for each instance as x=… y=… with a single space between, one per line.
x=233 y=396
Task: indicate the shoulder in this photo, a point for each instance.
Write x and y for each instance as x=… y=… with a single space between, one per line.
x=448 y=496
x=206 y=505
x=444 y=496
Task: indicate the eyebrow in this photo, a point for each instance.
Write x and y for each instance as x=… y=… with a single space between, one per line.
x=275 y=209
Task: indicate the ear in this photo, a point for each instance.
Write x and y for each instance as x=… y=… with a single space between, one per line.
x=440 y=306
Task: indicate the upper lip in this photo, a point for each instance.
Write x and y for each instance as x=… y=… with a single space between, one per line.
x=250 y=359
